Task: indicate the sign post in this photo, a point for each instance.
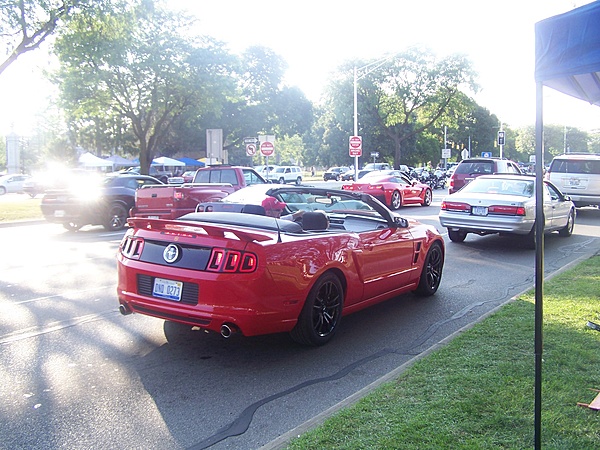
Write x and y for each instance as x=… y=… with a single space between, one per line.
x=355 y=149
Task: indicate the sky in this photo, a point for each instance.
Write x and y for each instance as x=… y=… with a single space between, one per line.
x=316 y=37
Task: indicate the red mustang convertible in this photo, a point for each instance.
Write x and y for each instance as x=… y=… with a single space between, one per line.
x=247 y=267
x=394 y=189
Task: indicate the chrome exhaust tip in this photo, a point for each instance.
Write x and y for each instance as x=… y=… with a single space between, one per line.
x=124 y=309
x=227 y=330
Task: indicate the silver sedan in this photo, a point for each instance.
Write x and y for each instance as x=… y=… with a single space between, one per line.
x=505 y=204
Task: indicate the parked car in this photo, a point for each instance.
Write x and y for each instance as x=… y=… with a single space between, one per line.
x=254 y=274
x=469 y=169
x=394 y=190
x=95 y=202
x=266 y=171
x=377 y=166
x=505 y=204
x=578 y=175
x=156 y=171
x=287 y=174
x=334 y=173
x=12 y=183
x=349 y=175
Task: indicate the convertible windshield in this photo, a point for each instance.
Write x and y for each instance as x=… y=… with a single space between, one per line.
x=500 y=186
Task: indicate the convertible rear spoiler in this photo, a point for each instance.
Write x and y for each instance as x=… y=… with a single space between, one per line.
x=203 y=228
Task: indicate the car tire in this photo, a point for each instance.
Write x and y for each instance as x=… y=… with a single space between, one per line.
x=428 y=198
x=568 y=229
x=2 y=190
x=529 y=239
x=396 y=200
x=299 y=180
x=71 y=226
x=116 y=218
x=281 y=180
x=321 y=313
x=431 y=273
x=457 y=235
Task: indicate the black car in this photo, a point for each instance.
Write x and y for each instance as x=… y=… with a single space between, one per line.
x=106 y=203
x=334 y=173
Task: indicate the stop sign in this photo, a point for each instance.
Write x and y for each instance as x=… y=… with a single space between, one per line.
x=267 y=148
x=355 y=146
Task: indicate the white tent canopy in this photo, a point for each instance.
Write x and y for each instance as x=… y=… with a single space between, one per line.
x=169 y=162
x=89 y=160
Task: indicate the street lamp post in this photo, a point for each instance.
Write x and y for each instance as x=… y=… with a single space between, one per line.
x=367 y=70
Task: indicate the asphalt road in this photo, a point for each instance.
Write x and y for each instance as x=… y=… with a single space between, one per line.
x=75 y=374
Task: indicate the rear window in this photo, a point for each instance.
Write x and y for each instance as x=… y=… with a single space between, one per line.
x=480 y=167
x=589 y=167
x=216 y=176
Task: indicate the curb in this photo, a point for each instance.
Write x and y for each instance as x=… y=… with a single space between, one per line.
x=17 y=223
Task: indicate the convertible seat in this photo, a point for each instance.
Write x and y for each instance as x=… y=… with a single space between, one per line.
x=314 y=221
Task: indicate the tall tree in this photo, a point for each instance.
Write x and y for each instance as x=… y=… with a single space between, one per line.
x=400 y=98
x=25 y=24
x=414 y=90
x=139 y=66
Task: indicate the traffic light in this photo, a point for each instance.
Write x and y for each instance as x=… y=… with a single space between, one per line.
x=500 y=137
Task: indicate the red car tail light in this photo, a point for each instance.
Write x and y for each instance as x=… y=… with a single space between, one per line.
x=131 y=247
x=376 y=187
x=455 y=206
x=506 y=210
x=230 y=261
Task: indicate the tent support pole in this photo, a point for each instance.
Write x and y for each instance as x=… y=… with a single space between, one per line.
x=539 y=260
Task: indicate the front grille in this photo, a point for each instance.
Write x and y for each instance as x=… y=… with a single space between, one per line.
x=189 y=295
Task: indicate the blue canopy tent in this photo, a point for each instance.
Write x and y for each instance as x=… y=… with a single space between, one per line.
x=567 y=59
x=191 y=162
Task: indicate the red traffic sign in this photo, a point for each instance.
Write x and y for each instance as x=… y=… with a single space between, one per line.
x=267 y=148
x=355 y=146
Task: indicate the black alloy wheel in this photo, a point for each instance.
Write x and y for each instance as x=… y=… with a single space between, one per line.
x=322 y=312
x=431 y=274
x=117 y=217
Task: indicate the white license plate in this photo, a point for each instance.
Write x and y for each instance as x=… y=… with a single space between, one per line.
x=479 y=211
x=167 y=289
x=59 y=213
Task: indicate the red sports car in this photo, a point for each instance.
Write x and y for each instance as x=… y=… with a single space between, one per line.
x=241 y=270
x=394 y=190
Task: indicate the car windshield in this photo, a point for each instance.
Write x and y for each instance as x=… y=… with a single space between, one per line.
x=500 y=186
x=299 y=199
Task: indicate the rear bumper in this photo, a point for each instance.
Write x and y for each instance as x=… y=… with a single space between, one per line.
x=475 y=224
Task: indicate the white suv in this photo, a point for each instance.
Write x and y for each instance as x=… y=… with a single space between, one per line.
x=578 y=176
x=287 y=174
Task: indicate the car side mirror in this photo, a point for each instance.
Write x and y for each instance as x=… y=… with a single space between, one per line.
x=400 y=222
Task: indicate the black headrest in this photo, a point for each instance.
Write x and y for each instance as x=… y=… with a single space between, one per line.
x=314 y=220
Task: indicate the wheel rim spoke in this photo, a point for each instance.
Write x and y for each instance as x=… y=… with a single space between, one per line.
x=325 y=310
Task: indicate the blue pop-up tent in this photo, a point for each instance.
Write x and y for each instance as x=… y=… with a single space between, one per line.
x=191 y=162
x=567 y=59
x=567 y=53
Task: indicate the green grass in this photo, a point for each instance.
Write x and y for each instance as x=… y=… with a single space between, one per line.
x=477 y=392
x=19 y=207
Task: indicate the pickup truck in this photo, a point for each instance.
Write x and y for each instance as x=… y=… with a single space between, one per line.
x=209 y=184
